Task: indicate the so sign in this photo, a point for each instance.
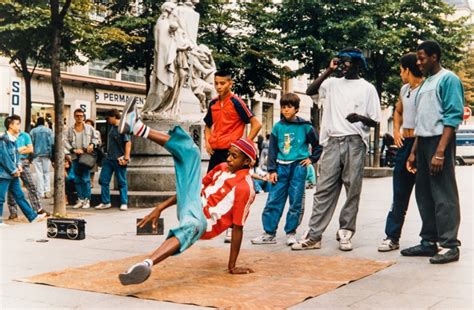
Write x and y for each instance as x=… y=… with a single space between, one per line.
x=467 y=113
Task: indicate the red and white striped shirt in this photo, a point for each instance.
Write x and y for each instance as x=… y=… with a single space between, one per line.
x=226 y=199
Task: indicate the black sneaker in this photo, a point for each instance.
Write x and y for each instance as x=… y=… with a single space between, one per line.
x=425 y=248
x=446 y=255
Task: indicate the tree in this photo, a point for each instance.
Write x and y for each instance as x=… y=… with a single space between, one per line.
x=397 y=27
x=20 y=20
x=58 y=15
x=242 y=42
x=137 y=50
x=313 y=32
x=257 y=69
x=466 y=74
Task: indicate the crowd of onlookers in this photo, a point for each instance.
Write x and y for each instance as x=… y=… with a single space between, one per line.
x=20 y=151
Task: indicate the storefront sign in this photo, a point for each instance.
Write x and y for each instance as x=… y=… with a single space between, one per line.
x=84 y=105
x=15 y=96
x=116 y=98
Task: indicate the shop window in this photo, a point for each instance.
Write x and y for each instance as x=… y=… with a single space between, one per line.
x=135 y=75
x=3 y=116
x=96 y=68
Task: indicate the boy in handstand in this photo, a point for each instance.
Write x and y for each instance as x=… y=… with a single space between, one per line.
x=205 y=209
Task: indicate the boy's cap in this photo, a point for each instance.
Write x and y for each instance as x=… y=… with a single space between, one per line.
x=247 y=147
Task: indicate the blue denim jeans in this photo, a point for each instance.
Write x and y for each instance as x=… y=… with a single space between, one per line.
x=403 y=182
x=291 y=182
x=110 y=166
x=262 y=186
x=15 y=188
x=82 y=180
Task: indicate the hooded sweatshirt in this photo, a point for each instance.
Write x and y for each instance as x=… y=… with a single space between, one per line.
x=290 y=142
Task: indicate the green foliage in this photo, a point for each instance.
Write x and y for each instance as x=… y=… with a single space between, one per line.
x=243 y=42
x=314 y=31
x=135 y=49
x=23 y=31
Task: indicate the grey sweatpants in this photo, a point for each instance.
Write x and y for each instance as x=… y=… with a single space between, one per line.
x=437 y=195
x=342 y=162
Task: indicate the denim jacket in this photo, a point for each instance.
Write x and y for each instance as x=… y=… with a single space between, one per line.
x=42 y=138
x=9 y=158
x=90 y=137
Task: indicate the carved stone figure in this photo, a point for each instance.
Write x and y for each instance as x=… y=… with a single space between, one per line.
x=178 y=60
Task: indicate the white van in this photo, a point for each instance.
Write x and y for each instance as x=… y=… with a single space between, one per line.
x=465 y=145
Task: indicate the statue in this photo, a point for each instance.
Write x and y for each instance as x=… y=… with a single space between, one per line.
x=178 y=61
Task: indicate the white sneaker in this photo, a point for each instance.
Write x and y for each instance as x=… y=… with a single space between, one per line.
x=306 y=244
x=86 y=204
x=264 y=239
x=388 y=245
x=78 y=204
x=39 y=217
x=130 y=116
x=123 y=207
x=138 y=273
x=103 y=206
x=291 y=239
x=344 y=237
x=228 y=236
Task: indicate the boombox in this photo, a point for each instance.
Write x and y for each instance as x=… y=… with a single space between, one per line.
x=73 y=229
x=148 y=228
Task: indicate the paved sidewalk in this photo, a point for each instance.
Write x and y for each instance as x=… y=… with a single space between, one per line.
x=410 y=283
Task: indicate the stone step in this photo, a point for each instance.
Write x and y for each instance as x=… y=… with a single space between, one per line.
x=136 y=199
x=380 y=172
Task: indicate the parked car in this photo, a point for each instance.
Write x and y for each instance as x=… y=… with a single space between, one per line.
x=465 y=145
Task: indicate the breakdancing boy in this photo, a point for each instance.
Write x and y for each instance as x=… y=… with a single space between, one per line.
x=223 y=200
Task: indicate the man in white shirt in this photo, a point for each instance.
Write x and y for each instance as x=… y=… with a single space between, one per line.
x=351 y=107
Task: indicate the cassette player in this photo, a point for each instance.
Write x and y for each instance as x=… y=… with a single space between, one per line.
x=73 y=229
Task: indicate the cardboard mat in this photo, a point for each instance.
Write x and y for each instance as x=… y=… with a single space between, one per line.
x=199 y=276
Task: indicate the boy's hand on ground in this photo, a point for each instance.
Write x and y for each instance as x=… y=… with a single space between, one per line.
x=153 y=216
x=240 y=270
x=273 y=177
x=305 y=162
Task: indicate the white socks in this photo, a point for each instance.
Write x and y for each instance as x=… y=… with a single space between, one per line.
x=149 y=262
x=141 y=129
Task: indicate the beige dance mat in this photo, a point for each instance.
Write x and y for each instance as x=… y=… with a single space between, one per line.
x=199 y=277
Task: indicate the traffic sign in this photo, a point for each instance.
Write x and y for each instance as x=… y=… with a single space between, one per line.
x=467 y=113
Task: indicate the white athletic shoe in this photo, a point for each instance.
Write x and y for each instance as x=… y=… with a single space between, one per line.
x=78 y=204
x=291 y=239
x=39 y=217
x=123 y=207
x=344 y=237
x=86 y=204
x=138 y=273
x=306 y=244
x=103 y=206
x=264 y=239
x=388 y=245
x=129 y=117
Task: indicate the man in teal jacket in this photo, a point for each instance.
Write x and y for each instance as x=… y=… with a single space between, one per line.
x=439 y=110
